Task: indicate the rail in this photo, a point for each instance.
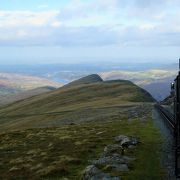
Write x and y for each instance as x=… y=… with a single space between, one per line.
x=168 y=117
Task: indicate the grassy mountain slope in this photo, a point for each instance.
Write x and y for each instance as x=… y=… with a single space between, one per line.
x=72 y=104
x=59 y=132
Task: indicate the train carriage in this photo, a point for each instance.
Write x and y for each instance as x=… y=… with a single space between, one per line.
x=175 y=91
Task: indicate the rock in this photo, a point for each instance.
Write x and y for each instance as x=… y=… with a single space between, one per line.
x=128 y=159
x=122 y=139
x=134 y=141
x=90 y=171
x=93 y=173
x=126 y=141
x=112 y=148
x=120 y=167
x=113 y=159
x=131 y=147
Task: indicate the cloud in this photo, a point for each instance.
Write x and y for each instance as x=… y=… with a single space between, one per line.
x=18 y=25
x=95 y=23
x=60 y=36
x=26 y=18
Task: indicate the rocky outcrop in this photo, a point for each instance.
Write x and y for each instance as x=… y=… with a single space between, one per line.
x=112 y=159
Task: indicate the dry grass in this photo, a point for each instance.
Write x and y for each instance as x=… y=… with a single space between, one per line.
x=64 y=152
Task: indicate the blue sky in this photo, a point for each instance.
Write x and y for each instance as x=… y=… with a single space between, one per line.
x=33 y=5
x=140 y=30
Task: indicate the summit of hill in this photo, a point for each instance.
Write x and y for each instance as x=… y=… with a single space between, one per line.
x=93 y=78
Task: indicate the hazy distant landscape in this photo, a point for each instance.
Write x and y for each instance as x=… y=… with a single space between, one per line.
x=154 y=78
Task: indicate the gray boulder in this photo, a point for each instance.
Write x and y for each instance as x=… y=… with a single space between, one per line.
x=112 y=148
x=93 y=173
x=126 y=141
x=113 y=159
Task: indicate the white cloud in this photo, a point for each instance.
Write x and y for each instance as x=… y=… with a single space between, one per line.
x=26 y=18
x=56 y=24
x=26 y=24
x=95 y=23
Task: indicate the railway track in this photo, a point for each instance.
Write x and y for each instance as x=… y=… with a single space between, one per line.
x=173 y=121
x=167 y=116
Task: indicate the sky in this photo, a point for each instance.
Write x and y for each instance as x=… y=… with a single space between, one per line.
x=33 y=31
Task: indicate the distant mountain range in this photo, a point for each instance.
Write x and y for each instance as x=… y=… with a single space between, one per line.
x=11 y=83
x=154 y=78
x=156 y=81
x=10 y=98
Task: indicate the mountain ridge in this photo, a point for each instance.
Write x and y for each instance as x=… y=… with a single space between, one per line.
x=93 y=78
x=155 y=81
x=65 y=105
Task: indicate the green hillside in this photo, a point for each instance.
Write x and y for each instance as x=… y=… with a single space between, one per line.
x=73 y=104
x=56 y=135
